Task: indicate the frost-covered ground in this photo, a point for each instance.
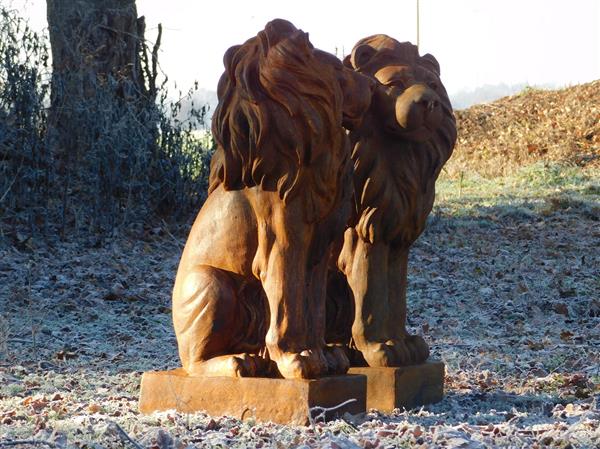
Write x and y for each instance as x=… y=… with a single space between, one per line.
x=504 y=284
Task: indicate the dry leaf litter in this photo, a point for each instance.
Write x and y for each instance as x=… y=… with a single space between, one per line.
x=535 y=125
x=504 y=284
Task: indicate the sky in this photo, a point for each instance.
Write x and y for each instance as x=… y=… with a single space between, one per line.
x=477 y=42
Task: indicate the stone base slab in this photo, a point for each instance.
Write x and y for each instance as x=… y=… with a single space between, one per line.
x=284 y=401
x=407 y=386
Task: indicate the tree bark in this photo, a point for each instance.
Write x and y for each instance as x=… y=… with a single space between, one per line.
x=91 y=40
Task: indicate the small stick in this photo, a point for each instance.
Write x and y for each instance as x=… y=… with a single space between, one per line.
x=324 y=410
x=166 y=228
x=30 y=442
x=127 y=437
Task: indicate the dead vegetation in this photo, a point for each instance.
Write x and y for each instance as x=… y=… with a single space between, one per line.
x=504 y=287
x=504 y=284
x=498 y=138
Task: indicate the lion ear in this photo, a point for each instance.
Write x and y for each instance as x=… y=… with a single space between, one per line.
x=361 y=55
x=431 y=63
x=308 y=42
x=228 y=61
x=347 y=62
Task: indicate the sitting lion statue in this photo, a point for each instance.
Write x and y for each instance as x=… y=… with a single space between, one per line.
x=249 y=296
x=398 y=151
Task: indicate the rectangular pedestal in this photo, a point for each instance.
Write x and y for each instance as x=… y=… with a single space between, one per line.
x=407 y=386
x=284 y=401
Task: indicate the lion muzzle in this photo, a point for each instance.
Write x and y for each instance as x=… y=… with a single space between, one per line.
x=418 y=111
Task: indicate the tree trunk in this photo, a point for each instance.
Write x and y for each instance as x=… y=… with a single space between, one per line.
x=103 y=121
x=91 y=41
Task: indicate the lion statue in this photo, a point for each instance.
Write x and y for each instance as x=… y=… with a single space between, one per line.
x=249 y=296
x=398 y=151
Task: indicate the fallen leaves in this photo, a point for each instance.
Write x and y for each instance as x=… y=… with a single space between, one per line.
x=94 y=408
x=485 y=289
x=561 y=308
x=36 y=404
x=496 y=139
x=566 y=335
x=65 y=355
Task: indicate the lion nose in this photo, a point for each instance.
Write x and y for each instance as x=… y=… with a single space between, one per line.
x=417 y=106
x=429 y=104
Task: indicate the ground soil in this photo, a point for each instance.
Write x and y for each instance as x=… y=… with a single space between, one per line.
x=504 y=285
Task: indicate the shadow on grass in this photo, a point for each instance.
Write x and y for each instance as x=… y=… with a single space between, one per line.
x=482 y=408
x=502 y=210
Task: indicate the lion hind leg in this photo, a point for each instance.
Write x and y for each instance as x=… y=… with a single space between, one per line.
x=208 y=323
x=234 y=365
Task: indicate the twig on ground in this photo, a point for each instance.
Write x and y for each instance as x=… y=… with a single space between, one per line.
x=323 y=410
x=126 y=436
x=29 y=442
x=18 y=340
x=166 y=228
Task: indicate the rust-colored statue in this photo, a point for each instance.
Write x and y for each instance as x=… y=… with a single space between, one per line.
x=399 y=150
x=249 y=295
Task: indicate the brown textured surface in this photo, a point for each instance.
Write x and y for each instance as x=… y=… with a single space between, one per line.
x=251 y=279
x=532 y=126
x=399 y=149
x=285 y=401
x=407 y=386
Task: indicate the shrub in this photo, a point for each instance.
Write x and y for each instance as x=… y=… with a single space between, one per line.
x=25 y=164
x=135 y=162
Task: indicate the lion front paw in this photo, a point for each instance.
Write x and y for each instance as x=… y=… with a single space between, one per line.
x=337 y=360
x=378 y=354
x=309 y=364
x=410 y=350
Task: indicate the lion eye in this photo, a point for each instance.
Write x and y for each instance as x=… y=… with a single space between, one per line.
x=396 y=83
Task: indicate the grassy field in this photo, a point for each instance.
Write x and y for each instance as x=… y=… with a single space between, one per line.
x=504 y=284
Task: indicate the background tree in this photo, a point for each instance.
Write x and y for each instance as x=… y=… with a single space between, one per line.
x=112 y=150
x=91 y=41
x=95 y=54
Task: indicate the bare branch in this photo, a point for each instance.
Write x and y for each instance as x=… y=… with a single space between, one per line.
x=125 y=436
x=27 y=442
x=155 y=61
x=323 y=410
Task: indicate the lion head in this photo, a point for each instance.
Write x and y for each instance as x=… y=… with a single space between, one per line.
x=400 y=152
x=278 y=124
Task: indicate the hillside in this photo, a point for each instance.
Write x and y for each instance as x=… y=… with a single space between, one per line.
x=465 y=98
x=561 y=126
x=498 y=137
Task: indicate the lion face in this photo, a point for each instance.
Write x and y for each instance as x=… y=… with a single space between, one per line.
x=407 y=136
x=409 y=98
x=411 y=106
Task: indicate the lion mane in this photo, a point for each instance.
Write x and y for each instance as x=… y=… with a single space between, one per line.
x=277 y=125
x=395 y=186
